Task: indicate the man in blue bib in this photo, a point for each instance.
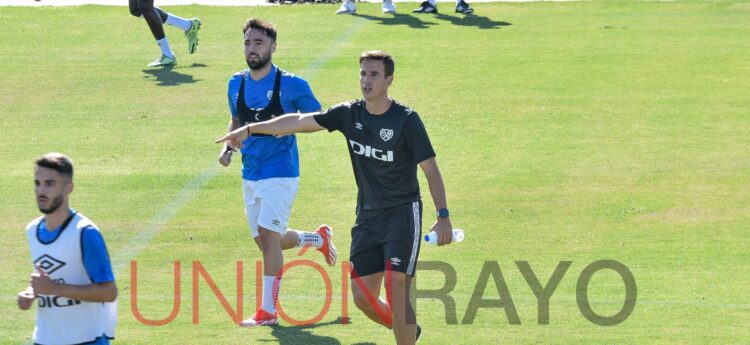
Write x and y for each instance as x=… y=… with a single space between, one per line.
x=270 y=165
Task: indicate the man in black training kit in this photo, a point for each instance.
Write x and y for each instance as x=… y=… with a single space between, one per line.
x=386 y=141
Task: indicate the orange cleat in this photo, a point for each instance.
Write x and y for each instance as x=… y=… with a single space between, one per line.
x=328 y=249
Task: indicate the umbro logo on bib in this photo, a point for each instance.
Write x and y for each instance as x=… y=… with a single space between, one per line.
x=386 y=134
x=48 y=263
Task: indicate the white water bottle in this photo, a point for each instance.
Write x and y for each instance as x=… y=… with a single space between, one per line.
x=432 y=237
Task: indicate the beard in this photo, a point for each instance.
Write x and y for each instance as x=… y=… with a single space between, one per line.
x=261 y=62
x=53 y=206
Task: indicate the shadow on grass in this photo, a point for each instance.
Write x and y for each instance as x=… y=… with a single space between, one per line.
x=167 y=76
x=398 y=19
x=295 y=335
x=481 y=22
x=414 y=22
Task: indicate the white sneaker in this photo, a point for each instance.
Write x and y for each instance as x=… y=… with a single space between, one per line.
x=163 y=61
x=348 y=7
x=389 y=7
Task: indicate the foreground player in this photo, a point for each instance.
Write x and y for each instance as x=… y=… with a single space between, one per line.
x=270 y=165
x=155 y=17
x=73 y=279
x=387 y=141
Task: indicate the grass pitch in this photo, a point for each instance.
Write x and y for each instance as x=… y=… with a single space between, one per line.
x=564 y=131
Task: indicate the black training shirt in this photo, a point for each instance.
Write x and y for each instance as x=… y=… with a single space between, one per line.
x=385 y=151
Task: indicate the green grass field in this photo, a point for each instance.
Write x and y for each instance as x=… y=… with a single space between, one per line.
x=564 y=131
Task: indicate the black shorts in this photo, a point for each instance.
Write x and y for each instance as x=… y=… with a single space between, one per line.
x=387 y=238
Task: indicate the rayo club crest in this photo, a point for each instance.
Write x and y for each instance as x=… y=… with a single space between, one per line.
x=386 y=134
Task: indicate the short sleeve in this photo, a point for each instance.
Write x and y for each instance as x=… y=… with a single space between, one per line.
x=305 y=100
x=333 y=118
x=95 y=256
x=417 y=139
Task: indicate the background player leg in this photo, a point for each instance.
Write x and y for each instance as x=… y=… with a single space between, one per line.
x=427 y=6
x=154 y=18
x=189 y=26
x=347 y=7
x=463 y=7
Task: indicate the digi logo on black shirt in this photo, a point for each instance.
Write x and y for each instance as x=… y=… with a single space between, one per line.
x=371 y=152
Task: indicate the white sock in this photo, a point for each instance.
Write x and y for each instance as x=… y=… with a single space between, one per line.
x=312 y=238
x=434 y=2
x=270 y=295
x=457 y=2
x=164 y=46
x=179 y=22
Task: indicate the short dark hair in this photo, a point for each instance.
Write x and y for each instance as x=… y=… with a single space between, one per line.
x=57 y=162
x=262 y=25
x=379 y=55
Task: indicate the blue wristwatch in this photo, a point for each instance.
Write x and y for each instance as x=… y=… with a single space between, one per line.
x=443 y=213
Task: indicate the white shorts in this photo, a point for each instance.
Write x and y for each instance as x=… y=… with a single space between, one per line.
x=268 y=203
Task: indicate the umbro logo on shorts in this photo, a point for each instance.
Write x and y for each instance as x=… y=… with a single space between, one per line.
x=275 y=222
x=395 y=261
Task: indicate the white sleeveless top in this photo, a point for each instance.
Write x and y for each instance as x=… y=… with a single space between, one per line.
x=61 y=320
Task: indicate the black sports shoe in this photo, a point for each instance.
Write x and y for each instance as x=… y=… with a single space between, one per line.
x=425 y=7
x=464 y=8
x=419 y=332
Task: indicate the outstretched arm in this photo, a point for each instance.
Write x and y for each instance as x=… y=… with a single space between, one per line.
x=282 y=125
x=442 y=226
